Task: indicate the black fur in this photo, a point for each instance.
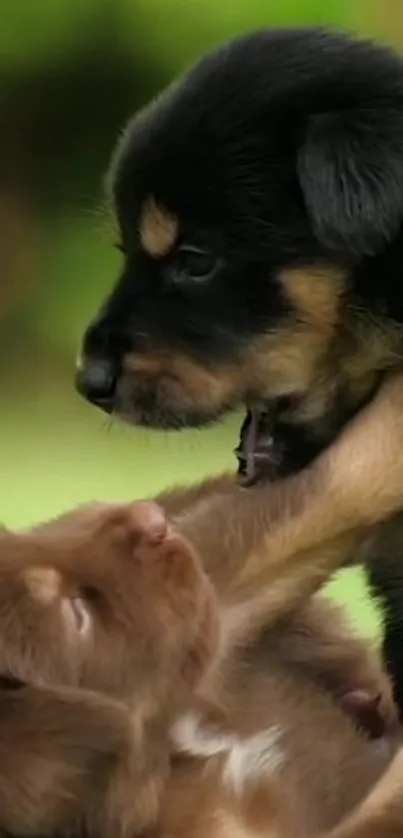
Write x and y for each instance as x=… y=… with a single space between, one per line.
x=386 y=583
x=281 y=149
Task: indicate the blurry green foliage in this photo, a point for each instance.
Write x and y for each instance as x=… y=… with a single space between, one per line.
x=174 y=30
x=179 y=30
x=74 y=72
x=31 y=33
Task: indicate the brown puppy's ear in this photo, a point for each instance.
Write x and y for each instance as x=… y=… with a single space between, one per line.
x=350 y=169
x=8 y=682
x=58 y=749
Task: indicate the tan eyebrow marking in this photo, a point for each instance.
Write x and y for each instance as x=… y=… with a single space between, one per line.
x=158 y=229
x=316 y=293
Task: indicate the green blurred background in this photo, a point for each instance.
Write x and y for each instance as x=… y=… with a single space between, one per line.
x=71 y=72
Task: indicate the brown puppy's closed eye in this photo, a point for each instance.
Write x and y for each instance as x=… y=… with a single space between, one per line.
x=109 y=598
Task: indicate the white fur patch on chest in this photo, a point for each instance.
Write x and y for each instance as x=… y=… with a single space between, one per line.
x=247 y=759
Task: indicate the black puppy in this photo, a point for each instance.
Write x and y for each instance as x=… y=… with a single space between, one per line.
x=260 y=207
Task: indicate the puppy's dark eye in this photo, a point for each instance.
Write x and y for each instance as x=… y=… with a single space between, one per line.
x=91 y=594
x=194 y=264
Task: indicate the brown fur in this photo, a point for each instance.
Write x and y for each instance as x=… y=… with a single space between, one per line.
x=153 y=625
x=380 y=815
x=254 y=540
x=111 y=776
x=364 y=454
x=315 y=769
x=343 y=366
x=70 y=759
x=61 y=751
x=115 y=561
x=110 y=599
x=315 y=294
x=289 y=358
x=158 y=229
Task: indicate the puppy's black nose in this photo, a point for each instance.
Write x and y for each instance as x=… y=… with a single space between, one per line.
x=96 y=380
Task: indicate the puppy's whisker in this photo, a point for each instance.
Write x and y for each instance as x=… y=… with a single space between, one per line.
x=108 y=424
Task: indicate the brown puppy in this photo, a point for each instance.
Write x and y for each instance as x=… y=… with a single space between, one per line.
x=69 y=767
x=76 y=591
x=70 y=763
x=110 y=598
x=74 y=760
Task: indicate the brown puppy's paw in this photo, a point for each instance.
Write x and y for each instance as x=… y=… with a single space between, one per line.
x=148 y=524
x=176 y=587
x=161 y=553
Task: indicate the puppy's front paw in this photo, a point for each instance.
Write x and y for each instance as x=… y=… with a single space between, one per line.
x=160 y=550
x=148 y=525
x=176 y=587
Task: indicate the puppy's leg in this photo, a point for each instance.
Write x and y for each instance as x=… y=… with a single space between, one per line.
x=182 y=499
x=380 y=815
x=253 y=541
x=280 y=542
x=318 y=642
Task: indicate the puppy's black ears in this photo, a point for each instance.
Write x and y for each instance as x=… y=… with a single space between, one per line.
x=350 y=169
